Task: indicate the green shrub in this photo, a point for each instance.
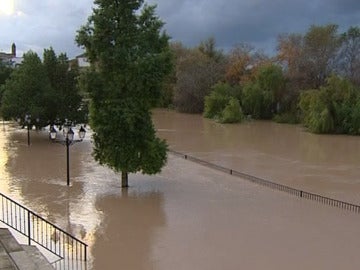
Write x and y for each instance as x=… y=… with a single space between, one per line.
x=218 y=99
x=252 y=100
x=214 y=104
x=343 y=114
x=335 y=108
x=257 y=102
x=232 y=112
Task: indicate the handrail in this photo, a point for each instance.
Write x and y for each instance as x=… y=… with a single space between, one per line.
x=41 y=231
x=273 y=185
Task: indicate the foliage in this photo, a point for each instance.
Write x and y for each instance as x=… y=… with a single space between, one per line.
x=316 y=114
x=123 y=40
x=214 y=105
x=5 y=72
x=243 y=63
x=232 y=112
x=333 y=108
x=348 y=58
x=275 y=87
x=45 y=90
x=256 y=101
x=69 y=104
x=320 y=46
x=271 y=79
x=196 y=74
x=290 y=48
x=167 y=91
x=354 y=127
x=28 y=91
x=252 y=100
x=208 y=48
x=219 y=98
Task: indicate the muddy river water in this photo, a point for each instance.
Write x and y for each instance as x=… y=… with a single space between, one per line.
x=193 y=217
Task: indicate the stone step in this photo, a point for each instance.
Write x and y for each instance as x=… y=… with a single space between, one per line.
x=14 y=256
x=6 y=263
x=39 y=259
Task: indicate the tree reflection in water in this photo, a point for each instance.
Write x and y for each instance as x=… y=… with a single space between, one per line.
x=127 y=230
x=38 y=173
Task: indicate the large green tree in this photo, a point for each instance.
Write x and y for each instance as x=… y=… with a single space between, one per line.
x=28 y=91
x=131 y=57
x=63 y=80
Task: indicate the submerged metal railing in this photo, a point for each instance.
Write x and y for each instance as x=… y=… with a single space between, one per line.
x=273 y=185
x=41 y=231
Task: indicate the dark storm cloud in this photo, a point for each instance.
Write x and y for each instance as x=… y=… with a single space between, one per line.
x=258 y=22
x=39 y=24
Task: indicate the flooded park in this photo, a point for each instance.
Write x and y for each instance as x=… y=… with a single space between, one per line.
x=190 y=216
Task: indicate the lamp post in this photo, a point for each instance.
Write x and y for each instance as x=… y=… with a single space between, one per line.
x=69 y=140
x=28 y=121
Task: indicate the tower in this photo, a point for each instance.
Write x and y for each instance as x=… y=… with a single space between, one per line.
x=13 y=49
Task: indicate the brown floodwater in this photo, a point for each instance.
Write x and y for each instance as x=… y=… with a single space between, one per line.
x=325 y=164
x=190 y=216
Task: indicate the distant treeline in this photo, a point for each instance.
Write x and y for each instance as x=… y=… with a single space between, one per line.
x=314 y=79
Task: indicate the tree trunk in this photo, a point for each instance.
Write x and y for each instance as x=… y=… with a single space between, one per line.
x=124 y=180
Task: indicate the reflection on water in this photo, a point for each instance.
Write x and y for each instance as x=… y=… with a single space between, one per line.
x=132 y=219
x=189 y=216
x=38 y=173
x=93 y=208
x=4 y=153
x=324 y=164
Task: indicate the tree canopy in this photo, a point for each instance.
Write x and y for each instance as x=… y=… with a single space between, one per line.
x=5 y=71
x=64 y=81
x=271 y=87
x=28 y=91
x=47 y=91
x=131 y=58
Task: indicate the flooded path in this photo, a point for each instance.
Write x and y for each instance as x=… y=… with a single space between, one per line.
x=324 y=164
x=187 y=217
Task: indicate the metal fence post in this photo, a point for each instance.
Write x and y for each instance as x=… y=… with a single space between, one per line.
x=29 y=228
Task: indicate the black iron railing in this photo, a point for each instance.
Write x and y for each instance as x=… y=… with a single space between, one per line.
x=41 y=231
x=273 y=185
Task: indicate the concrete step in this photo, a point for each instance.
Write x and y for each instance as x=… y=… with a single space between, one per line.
x=7 y=243
x=14 y=256
x=6 y=263
x=39 y=259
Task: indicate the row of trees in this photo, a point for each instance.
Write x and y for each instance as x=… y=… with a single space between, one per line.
x=46 y=90
x=207 y=79
x=131 y=57
x=132 y=61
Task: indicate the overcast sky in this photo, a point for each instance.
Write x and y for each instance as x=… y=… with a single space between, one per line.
x=39 y=24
